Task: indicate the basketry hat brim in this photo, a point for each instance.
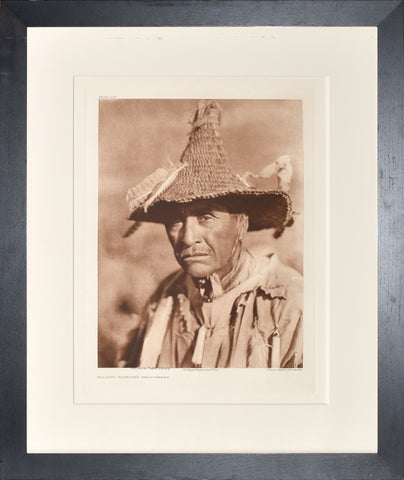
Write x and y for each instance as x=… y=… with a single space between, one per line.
x=265 y=209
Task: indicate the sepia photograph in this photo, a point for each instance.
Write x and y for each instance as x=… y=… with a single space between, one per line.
x=191 y=258
x=200 y=233
x=197 y=204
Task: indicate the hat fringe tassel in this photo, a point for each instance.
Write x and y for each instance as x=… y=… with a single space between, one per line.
x=132 y=229
x=163 y=187
x=282 y=167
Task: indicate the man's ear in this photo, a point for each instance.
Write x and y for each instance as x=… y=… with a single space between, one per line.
x=243 y=225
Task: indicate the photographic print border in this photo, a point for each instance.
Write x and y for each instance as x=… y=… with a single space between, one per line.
x=16 y=16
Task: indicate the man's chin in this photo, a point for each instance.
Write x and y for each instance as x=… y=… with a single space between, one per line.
x=197 y=270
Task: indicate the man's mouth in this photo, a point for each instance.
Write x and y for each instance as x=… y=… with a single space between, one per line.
x=185 y=256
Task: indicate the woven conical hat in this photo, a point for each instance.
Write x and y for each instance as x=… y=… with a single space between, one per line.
x=204 y=173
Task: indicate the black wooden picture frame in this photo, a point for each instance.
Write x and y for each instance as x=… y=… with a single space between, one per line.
x=16 y=16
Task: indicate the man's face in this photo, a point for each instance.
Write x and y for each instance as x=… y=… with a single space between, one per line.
x=204 y=236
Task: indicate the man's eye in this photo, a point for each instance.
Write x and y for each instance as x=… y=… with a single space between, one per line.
x=205 y=218
x=175 y=224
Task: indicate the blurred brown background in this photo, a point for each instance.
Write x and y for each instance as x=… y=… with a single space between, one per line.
x=138 y=136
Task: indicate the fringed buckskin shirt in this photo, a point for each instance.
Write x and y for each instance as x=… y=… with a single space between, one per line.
x=255 y=321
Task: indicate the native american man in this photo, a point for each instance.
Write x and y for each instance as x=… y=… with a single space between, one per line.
x=224 y=308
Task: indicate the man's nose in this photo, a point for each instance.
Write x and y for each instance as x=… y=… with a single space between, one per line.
x=189 y=232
